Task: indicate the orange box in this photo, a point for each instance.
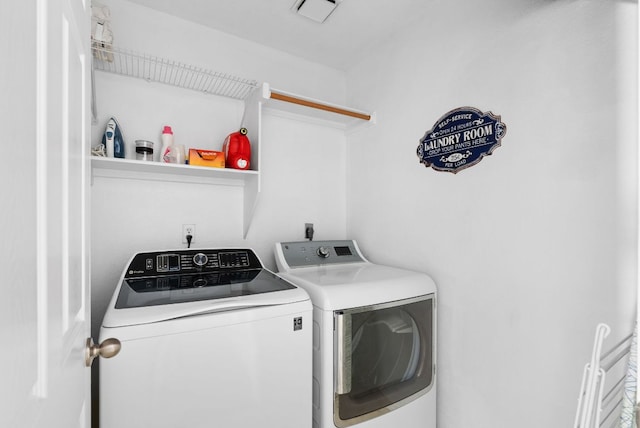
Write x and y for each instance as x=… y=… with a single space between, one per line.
x=200 y=157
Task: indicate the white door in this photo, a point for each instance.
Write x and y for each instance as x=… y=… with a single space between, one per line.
x=44 y=270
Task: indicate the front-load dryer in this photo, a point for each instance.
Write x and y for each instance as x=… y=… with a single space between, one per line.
x=209 y=339
x=374 y=336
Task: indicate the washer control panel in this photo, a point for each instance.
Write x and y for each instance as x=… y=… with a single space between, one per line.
x=314 y=253
x=191 y=261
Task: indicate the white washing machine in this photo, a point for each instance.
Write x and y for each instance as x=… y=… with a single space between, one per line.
x=374 y=336
x=209 y=339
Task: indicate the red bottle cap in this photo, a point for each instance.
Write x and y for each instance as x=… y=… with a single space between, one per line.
x=167 y=130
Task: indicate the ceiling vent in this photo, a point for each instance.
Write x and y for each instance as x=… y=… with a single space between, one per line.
x=317 y=10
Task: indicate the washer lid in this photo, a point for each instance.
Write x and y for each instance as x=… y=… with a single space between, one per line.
x=134 y=304
x=166 y=290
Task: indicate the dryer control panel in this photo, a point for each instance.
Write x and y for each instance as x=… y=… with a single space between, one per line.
x=191 y=261
x=315 y=253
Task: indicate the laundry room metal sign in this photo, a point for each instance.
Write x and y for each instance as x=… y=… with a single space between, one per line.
x=460 y=139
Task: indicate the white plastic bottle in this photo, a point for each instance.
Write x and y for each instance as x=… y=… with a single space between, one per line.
x=177 y=153
x=167 y=142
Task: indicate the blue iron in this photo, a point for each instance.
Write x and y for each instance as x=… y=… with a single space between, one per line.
x=112 y=140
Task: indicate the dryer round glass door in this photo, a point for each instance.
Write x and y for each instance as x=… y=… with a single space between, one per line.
x=384 y=358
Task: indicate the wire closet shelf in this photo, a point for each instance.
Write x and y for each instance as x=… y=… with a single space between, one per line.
x=154 y=69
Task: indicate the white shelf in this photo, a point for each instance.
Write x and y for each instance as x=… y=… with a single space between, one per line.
x=256 y=97
x=161 y=172
x=142 y=170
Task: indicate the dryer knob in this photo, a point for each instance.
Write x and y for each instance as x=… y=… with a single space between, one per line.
x=323 y=252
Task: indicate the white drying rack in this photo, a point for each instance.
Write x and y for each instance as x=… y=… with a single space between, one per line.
x=600 y=403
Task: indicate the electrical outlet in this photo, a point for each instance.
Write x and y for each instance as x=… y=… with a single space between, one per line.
x=188 y=229
x=308 y=231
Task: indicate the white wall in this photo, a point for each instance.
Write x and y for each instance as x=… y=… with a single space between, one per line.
x=536 y=244
x=530 y=248
x=302 y=166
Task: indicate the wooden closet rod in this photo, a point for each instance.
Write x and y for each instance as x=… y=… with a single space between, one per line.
x=312 y=104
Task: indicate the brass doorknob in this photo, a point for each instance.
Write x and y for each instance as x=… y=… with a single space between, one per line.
x=107 y=349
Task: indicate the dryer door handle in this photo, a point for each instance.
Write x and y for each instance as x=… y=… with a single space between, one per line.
x=343 y=353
